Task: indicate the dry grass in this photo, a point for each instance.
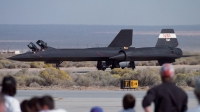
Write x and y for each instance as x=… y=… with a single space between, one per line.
x=54 y=77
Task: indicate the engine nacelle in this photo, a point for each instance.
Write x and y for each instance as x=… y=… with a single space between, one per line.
x=128 y=64
x=124 y=64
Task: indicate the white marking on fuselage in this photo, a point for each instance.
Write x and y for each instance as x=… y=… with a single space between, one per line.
x=167 y=35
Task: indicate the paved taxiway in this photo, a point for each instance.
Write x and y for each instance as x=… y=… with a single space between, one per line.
x=76 y=101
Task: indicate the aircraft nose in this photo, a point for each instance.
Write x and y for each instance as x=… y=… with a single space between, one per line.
x=13 y=57
x=25 y=57
x=19 y=57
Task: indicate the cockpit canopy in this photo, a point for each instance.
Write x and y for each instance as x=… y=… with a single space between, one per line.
x=42 y=44
x=33 y=47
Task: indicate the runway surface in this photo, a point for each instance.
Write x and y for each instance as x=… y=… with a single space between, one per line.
x=76 y=101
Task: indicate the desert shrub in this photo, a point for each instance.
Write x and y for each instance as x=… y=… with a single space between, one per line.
x=191 y=81
x=144 y=63
x=175 y=63
x=183 y=70
x=116 y=76
x=21 y=80
x=192 y=78
x=37 y=64
x=24 y=78
x=22 y=72
x=79 y=64
x=139 y=63
x=152 y=63
x=100 y=78
x=157 y=64
x=34 y=84
x=2 y=75
x=147 y=77
x=64 y=64
x=5 y=63
x=107 y=79
x=185 y=62
x=24 y=65
x=180 y=79
x=82 y=64
x=73 y=76
x=54 y=76
x=34 y=65
x=120 y=71
x=15 y=64
x=4 y=56
x=67 y=83
x=127 y=76
x=194 y=62
x=82 y=80
x=34 y=79
x=97 y=78
x=11 y=66
x=48 y=65
x=115 y=81
x=1 y=66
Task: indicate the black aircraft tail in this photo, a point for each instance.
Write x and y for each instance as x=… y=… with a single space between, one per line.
x=167 y=38
x=123 y=39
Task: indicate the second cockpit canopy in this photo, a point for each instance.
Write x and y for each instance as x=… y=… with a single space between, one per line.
x=40 y=43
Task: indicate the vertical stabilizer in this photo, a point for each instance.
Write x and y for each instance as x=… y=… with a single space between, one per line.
x=123 y=39
x=167 y=38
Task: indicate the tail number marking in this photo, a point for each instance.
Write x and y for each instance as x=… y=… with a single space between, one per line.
x=167 y=36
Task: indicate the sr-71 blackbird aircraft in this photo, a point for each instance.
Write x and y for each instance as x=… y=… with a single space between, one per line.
x=117 y=54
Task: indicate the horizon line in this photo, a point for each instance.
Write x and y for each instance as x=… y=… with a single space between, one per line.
x=103 y=25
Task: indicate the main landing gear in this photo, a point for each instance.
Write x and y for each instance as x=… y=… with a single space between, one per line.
x=55 y=62
x=107 y=64
x=114 y=64
x=101 y=65
x=58 y=64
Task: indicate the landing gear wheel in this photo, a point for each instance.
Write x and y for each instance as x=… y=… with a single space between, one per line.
x=58 y=64
x=132 y=65
x=115 y=64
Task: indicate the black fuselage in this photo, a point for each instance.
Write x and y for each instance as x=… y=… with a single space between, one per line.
x=101 y=54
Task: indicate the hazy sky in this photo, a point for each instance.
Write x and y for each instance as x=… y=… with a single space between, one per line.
x=100 y=12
